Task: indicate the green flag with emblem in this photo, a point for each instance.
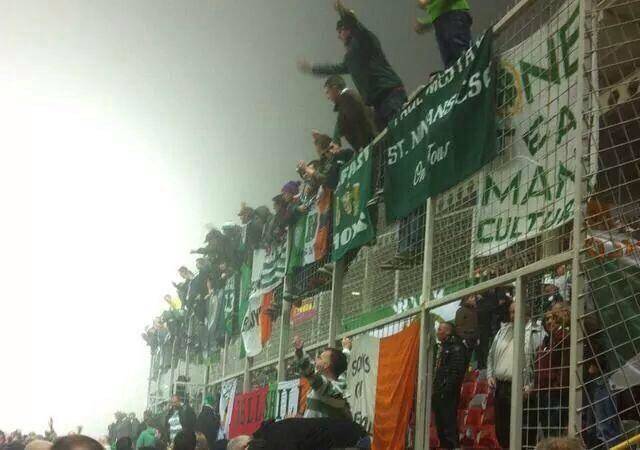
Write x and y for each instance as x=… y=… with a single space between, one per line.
x=352 y=225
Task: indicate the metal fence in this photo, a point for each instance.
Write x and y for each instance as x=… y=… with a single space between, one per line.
x=552 y=223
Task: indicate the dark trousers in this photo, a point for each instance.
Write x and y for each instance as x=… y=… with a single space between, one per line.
x=503 y=412
x=444 y=406
x=453 y=33
x=388 y=106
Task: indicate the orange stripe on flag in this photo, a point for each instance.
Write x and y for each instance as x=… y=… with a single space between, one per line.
x=396 y=388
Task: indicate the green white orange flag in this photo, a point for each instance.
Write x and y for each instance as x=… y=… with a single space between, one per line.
x=381 y=380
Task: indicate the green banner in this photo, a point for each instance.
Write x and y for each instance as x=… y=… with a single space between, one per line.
x=229 y=298
x=445 y=134
x=352 y=226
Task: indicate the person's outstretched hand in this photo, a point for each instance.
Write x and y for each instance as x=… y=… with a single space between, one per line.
x=423 y=3
x=304 y=66
x=298 y=343
x=420 y=27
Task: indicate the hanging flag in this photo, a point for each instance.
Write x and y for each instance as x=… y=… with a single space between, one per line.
x=227 y=394
x=531 y=189
x=381 y=385
x=351 y=218
x=256 y=324
x=269 y=266
x=248 y=412
x=444 y=135
x=362 y=376
x=311 y=233
x=230 y=304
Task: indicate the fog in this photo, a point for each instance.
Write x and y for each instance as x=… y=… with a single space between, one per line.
x=128 y=127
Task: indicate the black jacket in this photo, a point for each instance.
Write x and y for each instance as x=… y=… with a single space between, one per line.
x=450 y=368
x=354 y=121
x=187 y=419
x=308 y=434
x=365 y=61
x=208 y=424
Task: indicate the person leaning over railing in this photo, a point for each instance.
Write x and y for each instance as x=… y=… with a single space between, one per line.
x=375 y=79
x=452 y=22
x=354 y=121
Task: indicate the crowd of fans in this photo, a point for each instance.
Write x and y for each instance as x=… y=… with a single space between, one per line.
x=479 y=341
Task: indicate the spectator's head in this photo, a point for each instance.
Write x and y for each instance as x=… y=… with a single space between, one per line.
x=331 y=362
x=124 y=443
x=239 y=443
x=38 y=444
x=561 y=269
x=278 y=202
x=562 y=313
x=176 y=401
x=290 y=190
x=201 y=263
x=184 y=440
x=245 y=213
x=322 y=143
x=333 y=86
x=445 y=329
x=185 y=273
x=470 y=300
x=132 y=416
x=3 y=438
x=344 y=28
x=560 y=443
x=78 y=442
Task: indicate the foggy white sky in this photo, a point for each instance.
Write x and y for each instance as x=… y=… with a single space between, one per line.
x=126 y=127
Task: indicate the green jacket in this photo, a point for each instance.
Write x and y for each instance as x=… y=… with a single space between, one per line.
x=436 y=8
x=147 y=438
x=365 y=61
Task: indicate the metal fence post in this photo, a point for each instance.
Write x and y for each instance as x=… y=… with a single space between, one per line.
x=578 y=236
x=423 y=396
x=284 y=317
x=519 y=325
x=173 y=367
x=336 y=302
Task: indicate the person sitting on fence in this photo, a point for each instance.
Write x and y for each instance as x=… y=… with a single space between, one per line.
x=325 y=169
x=452 y=22
x=326 y=398
x=354 y=122
x=367 y=64
x=297 y=433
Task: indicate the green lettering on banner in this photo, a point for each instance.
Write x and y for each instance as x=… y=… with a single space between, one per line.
x=531 y=189
x=352 y=226
x=445 y=134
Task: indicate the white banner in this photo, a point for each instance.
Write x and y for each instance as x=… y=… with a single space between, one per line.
x=286 y=402
x=362 y=379
x=250 y=328
x=530 y=189
x=227 y=394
